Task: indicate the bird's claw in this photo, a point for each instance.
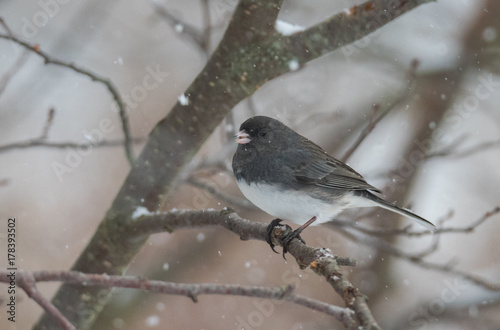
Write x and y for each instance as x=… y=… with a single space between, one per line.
x=287 y=239
x=269 y=233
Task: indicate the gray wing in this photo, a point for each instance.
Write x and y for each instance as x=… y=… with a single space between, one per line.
x=323 y=170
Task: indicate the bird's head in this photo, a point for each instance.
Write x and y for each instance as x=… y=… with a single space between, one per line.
x=262 y=134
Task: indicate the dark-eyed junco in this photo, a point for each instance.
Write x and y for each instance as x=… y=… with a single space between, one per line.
x=291 y=177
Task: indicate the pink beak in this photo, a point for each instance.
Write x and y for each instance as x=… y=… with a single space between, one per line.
x=242 y=137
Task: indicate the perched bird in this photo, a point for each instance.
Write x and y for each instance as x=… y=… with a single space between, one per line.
x=291 y=177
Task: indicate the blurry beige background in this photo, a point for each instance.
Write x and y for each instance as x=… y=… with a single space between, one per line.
x=329 y=101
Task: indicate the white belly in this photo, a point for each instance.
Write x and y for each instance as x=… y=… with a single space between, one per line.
x=293 y=205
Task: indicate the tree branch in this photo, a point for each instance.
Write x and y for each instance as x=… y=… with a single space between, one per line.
x=231 y=200
x=94 y=77
x=346 y=27
x=11 y=72
x=41 y=141
x=28 y=280
x=417 y=259
x=466 y=152
x=198 y=38
x=406 y=231
x=320 y=260
x=377 y=117
x=35 y=143
x=147 y=223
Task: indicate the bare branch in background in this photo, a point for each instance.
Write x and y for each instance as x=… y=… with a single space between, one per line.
x=234 y=201
x=451 y=153
x=408 y=233
x=198 y=38
x=5 y=26
x=7 y=76
x=207 y=25
x=377 y=116
x=27 y=282
x=418 y=260
x=48 y=124
x=21 y=60
x=95 y=77
x=192 y=291
x=41 y=141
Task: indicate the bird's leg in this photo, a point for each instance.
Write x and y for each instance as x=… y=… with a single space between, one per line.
x=269 y=233
x=288 y=237
x=295 y=234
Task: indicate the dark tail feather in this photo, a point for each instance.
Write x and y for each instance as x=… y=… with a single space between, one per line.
x=391 y=207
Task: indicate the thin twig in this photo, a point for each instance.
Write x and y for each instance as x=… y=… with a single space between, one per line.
x=180 y=26
x=239 y=202
x=41 y=141
x=472 y=226
x=11 y=72
x=33 y=143
x=200 y=38
x=433 y=247
x=480 y=147
x=375 y=119
x=28 y=280
x=16 y=66
x=406 y=231
x=451 y=147
x=107 y=82
x=5 y=26
x=48 y=124
x=207 y=26
x=417 y=259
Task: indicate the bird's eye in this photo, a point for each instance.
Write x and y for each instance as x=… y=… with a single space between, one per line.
x=262 y=133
